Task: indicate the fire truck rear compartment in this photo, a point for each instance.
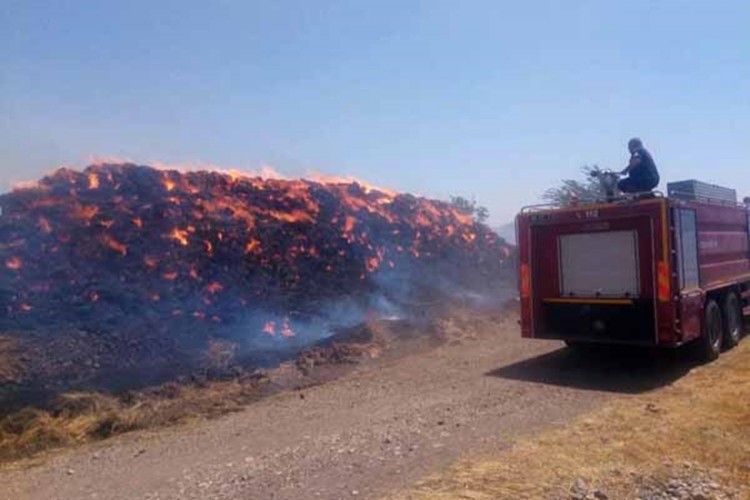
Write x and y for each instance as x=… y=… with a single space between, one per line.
x=592 y=287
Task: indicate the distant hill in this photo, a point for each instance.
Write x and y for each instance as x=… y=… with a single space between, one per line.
x=507 y=232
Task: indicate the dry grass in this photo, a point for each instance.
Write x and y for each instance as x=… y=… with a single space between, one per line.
x=78 y=418
x=701 y=422
x=81 y=417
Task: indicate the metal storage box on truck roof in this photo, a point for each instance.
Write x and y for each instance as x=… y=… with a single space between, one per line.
x=701 y=191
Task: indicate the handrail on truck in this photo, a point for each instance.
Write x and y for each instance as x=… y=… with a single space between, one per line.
x=635 y=198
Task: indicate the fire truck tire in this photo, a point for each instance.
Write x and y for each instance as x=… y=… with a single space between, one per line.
x=732 y=320
x=711 y=340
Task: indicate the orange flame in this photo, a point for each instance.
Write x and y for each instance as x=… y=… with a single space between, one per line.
x=14 y=263
x=469 y=237
x=181 y=236
x=293 y=216
x=214 y=287
x=115 y=245
x=286 y=329
x=348 y=179
x=252 y=246
x=269 y=328
x=87 y=212
x=372 y=264
x=93 y=180
x=349 y=224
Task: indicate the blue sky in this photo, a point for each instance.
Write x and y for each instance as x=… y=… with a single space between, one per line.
x=491 y=99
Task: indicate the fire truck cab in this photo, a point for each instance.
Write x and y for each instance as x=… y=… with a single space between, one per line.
x=660 y=271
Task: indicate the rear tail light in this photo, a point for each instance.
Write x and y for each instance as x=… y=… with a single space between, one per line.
x=664 y=291
x=525 y=281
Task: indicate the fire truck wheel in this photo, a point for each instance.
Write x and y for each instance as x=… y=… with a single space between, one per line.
x=732 y=320
x=712 y=332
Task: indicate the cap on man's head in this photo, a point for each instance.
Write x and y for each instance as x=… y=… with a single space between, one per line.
x=635 y=143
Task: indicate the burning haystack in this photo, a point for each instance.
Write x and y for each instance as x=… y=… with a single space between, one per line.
x=124 y=246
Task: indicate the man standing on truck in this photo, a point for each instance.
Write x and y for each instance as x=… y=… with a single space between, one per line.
x=642 y=173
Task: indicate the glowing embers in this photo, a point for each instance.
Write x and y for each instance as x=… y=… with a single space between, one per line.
x=281 y=328
x=112 y=243
x=14 y=263
x=181 y=236
x=93 y=179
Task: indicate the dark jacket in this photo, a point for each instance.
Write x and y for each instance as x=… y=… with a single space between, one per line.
x=645 y=168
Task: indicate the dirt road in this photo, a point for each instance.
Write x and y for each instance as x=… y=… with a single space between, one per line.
x=375 y=430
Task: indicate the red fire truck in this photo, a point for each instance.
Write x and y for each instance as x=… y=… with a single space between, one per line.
x=655 y=271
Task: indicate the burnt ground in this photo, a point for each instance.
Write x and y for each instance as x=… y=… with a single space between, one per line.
x=373 y=428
